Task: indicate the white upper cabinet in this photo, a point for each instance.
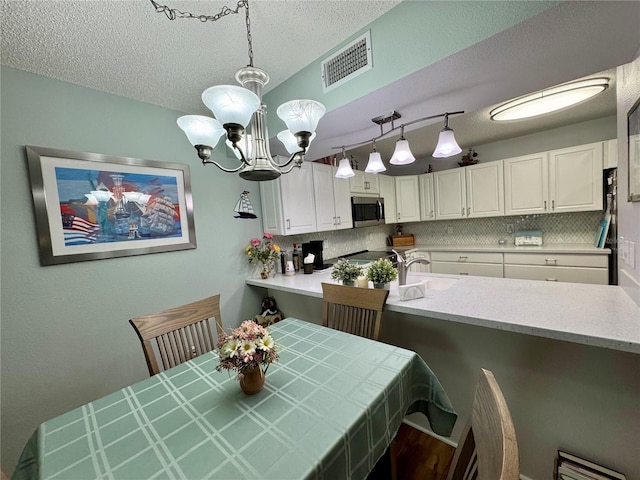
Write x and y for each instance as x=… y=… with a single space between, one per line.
x=575 y=178
x=566 y=180
x=363 y=182
x=332 y=199
x=610 y=154
x=526 y=184
x=427 y=199
x=387 y=187
x=470 y=192
x=450 y=194
x=288 y=206
x=485 y=190
x=407 y=199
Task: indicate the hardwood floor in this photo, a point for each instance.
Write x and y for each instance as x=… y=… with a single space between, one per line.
x=419 y=456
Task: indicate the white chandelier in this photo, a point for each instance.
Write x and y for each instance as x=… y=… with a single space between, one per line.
x=239 y=111
x=446 y=147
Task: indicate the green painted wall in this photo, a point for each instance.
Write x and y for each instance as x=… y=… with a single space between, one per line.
x=65 y=336
x=408 y=38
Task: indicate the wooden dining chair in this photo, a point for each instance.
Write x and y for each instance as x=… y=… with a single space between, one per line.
x=488 y=449
x=178 y=334
x=353 y=310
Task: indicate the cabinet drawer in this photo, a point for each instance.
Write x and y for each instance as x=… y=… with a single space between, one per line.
x=555 y=259
x=599 y=276
x=474 y=269
x=467 y=257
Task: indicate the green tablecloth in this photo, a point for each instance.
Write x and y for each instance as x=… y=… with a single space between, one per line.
x=329 y=409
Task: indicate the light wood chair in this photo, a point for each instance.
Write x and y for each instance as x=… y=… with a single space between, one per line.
x=488 y=449
x=178 y=334
x=353 y=310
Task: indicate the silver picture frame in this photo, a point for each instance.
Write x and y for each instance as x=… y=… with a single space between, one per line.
x=633 y=137
x=90 y=206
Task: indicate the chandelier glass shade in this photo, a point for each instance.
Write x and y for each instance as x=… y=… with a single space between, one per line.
x=375 y=164
x=550 y=100
x=239 y=111
x=289 y=141
x=447 y=145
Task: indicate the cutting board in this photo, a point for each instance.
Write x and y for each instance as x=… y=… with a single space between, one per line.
x=402 y=240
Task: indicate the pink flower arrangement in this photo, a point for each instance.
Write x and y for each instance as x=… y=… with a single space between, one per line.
x=248 y=346
x=264 y=250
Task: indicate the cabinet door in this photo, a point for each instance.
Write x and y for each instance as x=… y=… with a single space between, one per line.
x=342 y=200
x=575 y=178
x=272 y=215
x=407 y=198
x=356 y=183
x=485 y=190
x=450 y=194
x=387 y=186
x=526 y=184
x=473 y=269
x=298 y=204
x=371 y=184
x=427 y=201
x=324 y=197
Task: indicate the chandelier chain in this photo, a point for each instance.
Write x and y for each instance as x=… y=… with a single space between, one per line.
x=249 y=42
x=173 y=13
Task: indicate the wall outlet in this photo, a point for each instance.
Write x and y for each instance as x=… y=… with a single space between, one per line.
x=450 y=230
x=509 y=227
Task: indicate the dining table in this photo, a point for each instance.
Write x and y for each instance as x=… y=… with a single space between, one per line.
x=330 y=407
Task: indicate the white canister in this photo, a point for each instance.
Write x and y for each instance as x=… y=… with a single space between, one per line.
x=289 y=270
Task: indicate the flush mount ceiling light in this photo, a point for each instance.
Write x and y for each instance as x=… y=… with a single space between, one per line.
x=447 y=145
x=550 y=100
x=237 y=107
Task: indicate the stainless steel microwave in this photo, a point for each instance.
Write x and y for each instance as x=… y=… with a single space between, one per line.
x=367 y=211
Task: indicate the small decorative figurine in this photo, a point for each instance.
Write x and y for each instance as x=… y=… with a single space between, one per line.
x=270 y=313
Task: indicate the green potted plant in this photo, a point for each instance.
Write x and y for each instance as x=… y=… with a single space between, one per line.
x=346 y=272
x=381 y=272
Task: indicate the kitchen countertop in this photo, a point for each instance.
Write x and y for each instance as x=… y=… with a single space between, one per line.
x=598 y=315
x=510 y=248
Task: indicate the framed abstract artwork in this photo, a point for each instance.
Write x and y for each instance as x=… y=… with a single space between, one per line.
x=90 y=206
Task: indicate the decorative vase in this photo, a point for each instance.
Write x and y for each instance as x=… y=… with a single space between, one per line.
x=265 y=270
x=382 y=286
x=252 y=380
x=349 y=283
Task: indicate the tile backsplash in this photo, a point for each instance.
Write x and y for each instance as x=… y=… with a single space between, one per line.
x=559 y=228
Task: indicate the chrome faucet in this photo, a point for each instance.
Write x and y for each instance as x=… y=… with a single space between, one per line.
x=403 y=266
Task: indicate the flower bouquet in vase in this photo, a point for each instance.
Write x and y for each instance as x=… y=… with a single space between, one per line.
x=265 y=253
x=248 y=350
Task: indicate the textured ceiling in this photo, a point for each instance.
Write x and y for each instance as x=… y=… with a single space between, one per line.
x=126 y=48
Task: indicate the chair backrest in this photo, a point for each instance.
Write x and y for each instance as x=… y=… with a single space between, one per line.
x=353 y=310
x=178 y=334
x=488 y=449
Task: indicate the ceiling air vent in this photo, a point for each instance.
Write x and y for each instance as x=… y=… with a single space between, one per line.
x=347 y=63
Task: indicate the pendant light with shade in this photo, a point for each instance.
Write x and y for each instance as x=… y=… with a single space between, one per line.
x=239 y=111
x=446 y=147
x=344 y=167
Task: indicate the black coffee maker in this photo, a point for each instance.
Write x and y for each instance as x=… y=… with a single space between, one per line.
x=315 y=248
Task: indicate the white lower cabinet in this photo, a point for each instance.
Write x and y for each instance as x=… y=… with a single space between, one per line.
x=288 y=206
x=467 y=263
x=557 y=267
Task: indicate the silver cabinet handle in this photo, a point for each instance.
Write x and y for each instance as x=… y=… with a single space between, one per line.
x=288 y=224
x=335 y=220
x=431 y=214
x=462 y=258
x=339 y=221
x=552 y=261
x=463 y=273
x=551 y=279
x=468 y=211
x=462 y=212
x=553 y=204
x=545 y=204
